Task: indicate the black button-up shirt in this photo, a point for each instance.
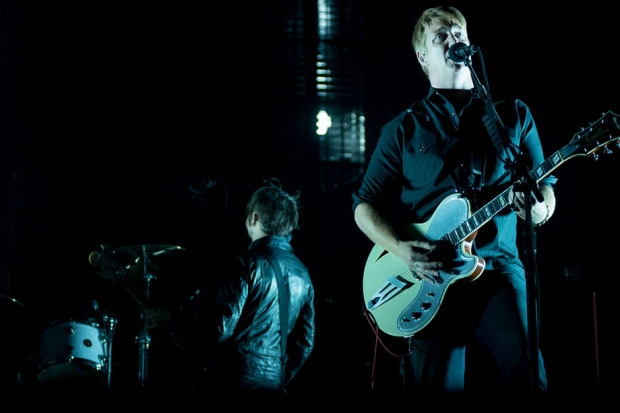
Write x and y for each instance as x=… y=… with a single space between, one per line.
x=429 y=152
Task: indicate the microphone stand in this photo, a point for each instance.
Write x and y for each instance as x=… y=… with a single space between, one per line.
x=532 y=289
x=526 y=184
x=144 y=339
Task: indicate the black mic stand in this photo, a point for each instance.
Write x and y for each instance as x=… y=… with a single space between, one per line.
x=144 y=338
x=526 y=184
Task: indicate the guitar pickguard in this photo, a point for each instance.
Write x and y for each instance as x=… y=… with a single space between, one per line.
x=400 y=301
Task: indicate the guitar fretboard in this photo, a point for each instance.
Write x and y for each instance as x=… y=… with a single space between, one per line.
x=598 y=135
x=484 y=214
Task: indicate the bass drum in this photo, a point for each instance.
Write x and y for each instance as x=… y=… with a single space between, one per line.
x=72 y=350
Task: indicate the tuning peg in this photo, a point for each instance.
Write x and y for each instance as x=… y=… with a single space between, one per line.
x=607 y=150
x=595 y=157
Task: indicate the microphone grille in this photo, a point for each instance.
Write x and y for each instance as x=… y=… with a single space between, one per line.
x=93 y=258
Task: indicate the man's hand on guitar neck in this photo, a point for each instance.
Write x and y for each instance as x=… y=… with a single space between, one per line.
x=541 y=211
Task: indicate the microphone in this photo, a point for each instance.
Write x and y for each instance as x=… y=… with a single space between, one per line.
x=109 y=268
x=460 y=51
x=93 y=258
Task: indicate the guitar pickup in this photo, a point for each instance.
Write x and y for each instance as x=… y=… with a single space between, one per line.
x=388 y=290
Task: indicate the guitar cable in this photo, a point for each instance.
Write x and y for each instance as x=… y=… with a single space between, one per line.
x=375 y=329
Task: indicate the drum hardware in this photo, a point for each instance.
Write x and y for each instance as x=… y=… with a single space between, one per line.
x=106 y=323
x=127 y=266
x=144 y=339
x=109 y=323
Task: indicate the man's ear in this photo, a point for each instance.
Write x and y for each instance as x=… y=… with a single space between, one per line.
x=253 y=218
x=421 y=57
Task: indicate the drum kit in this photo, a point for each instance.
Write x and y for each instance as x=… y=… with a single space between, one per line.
x=78 y=351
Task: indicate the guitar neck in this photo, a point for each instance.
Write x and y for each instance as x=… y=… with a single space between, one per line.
x=501 y=201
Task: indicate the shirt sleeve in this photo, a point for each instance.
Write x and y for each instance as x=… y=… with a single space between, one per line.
x=384 y=170
x=530 y=144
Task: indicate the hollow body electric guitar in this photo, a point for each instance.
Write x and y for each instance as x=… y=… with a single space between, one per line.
x=402 y=303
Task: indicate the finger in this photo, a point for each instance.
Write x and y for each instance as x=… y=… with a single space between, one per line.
x=422 y=276
x=426 y=270
x=430 y=266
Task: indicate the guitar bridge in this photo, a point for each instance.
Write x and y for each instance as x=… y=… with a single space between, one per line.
x=387 y=291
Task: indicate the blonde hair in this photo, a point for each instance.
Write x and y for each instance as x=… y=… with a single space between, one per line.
x=448 y=14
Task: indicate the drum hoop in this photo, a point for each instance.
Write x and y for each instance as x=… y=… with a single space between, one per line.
x=73 y=360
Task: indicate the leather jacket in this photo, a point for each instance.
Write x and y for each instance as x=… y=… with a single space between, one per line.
x=248 y=316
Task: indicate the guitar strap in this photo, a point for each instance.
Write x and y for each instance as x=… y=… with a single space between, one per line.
x=492 y=124
x=283 y=294
x=477 y=171
x=473 y=177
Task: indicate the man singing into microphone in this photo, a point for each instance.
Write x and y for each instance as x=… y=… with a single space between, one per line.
x=438 y=147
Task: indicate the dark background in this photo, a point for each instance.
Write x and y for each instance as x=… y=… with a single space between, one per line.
x=113 y=112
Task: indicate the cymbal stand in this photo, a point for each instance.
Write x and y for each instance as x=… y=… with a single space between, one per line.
x=110 y=326
x=144 y=339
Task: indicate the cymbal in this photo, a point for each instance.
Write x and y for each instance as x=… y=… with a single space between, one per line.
x=128 y=263
x=154 y=254
x=148 y=249
x=15 y=313
x=10 y=303
x=21 y=327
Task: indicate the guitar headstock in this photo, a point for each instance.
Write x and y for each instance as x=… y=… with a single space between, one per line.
x=597 y=136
